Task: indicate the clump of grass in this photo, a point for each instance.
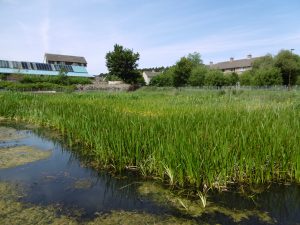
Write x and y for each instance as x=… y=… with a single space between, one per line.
x=195 y=137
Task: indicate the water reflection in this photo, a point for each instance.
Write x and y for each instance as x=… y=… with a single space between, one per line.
x=64 y=180
x=53 y=181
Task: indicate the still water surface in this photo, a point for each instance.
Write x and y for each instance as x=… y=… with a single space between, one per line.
x=63 y=180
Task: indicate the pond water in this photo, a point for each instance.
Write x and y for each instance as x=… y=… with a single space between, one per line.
x=61 y=180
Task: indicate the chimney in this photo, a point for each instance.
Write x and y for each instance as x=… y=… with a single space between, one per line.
x=231 y=59
x=211 y=63
x=249 y=56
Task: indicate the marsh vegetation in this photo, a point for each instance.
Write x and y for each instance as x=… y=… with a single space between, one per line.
x=185 y=137
x=60 y=189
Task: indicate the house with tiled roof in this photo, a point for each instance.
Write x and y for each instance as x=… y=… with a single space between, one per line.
x=238 y=66
x=65 y=60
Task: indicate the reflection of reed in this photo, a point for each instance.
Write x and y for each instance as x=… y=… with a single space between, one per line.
x=120 y=189
x=283 y=203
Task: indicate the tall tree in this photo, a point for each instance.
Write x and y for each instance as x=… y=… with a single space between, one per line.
x=197 y=76
x=289 y=65
x=267 y=77
x=122 y=62
x=182 y=72
x=264 y=62
x=195 y=58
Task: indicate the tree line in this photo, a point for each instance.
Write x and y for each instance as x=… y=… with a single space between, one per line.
x=281 y=69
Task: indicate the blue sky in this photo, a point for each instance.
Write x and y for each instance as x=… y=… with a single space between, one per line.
x=162 y=31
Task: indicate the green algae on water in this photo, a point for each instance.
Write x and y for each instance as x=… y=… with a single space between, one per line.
x=194 y=208
x=134 y=218
x=10 y=134
x=164 y=196
x=21 y=155
x=14 y=212
x=83 y=184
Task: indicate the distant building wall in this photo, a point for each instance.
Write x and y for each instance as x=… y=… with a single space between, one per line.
x=31 y=68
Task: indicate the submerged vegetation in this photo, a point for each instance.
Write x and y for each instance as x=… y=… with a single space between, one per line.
x=10 y=134
x=20 y=155
x=13 y=211
x=184 y=136
x=195 y=208
x=13 y=156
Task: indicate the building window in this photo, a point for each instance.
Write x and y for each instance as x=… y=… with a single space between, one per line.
x=24 y=65
x=15 y=65
x=4 y=64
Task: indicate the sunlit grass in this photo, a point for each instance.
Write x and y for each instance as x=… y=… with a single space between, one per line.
x=192 y=137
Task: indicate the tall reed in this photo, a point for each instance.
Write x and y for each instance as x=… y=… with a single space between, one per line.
x=188 y=137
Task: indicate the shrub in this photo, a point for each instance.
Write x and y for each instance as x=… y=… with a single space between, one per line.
x=62 y=80
x=164 y=79
x=231 y=79
x=215 y=78
x=3 y=77
x=197 y=76
x=13 y=86
x=246 y=78
x=298 y=81
x=267 y=77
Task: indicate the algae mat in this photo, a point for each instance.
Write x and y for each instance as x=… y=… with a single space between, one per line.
x=10 y=134
x=20 y=155
x=14 y=212
x=195 y=208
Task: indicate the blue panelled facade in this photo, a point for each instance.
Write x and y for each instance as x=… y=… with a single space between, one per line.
x=14 y=67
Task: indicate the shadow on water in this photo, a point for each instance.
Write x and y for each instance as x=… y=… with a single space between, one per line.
x=62 y=179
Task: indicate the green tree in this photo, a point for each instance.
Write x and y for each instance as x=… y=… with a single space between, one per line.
x=197 y=76
x=62 y=77
x=289 y=65
x=122 y=62
x=267 y=77
x=182 y=72
x=215 y=78
x=165 y=79
x=266 y=61
x=246 y=78
x=298 y=81
x=231 y=78
x=195 y=58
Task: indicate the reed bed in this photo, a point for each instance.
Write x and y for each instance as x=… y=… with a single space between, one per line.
x=185 y=137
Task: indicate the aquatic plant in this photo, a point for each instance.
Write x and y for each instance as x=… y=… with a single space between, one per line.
x=10 y=134
x=194 y=208
x=14 y=211
x=20 y=155
x=185 y=136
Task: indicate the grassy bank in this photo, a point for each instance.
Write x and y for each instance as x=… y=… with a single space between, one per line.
x=190 y=137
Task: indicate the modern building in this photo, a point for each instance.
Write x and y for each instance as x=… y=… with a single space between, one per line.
x=73 y=65
x=238 y=66
x=148 y=75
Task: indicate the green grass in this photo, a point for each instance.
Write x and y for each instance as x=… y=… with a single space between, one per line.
x=186 y=137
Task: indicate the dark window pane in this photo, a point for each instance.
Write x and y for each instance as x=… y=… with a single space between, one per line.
x=24 y=65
